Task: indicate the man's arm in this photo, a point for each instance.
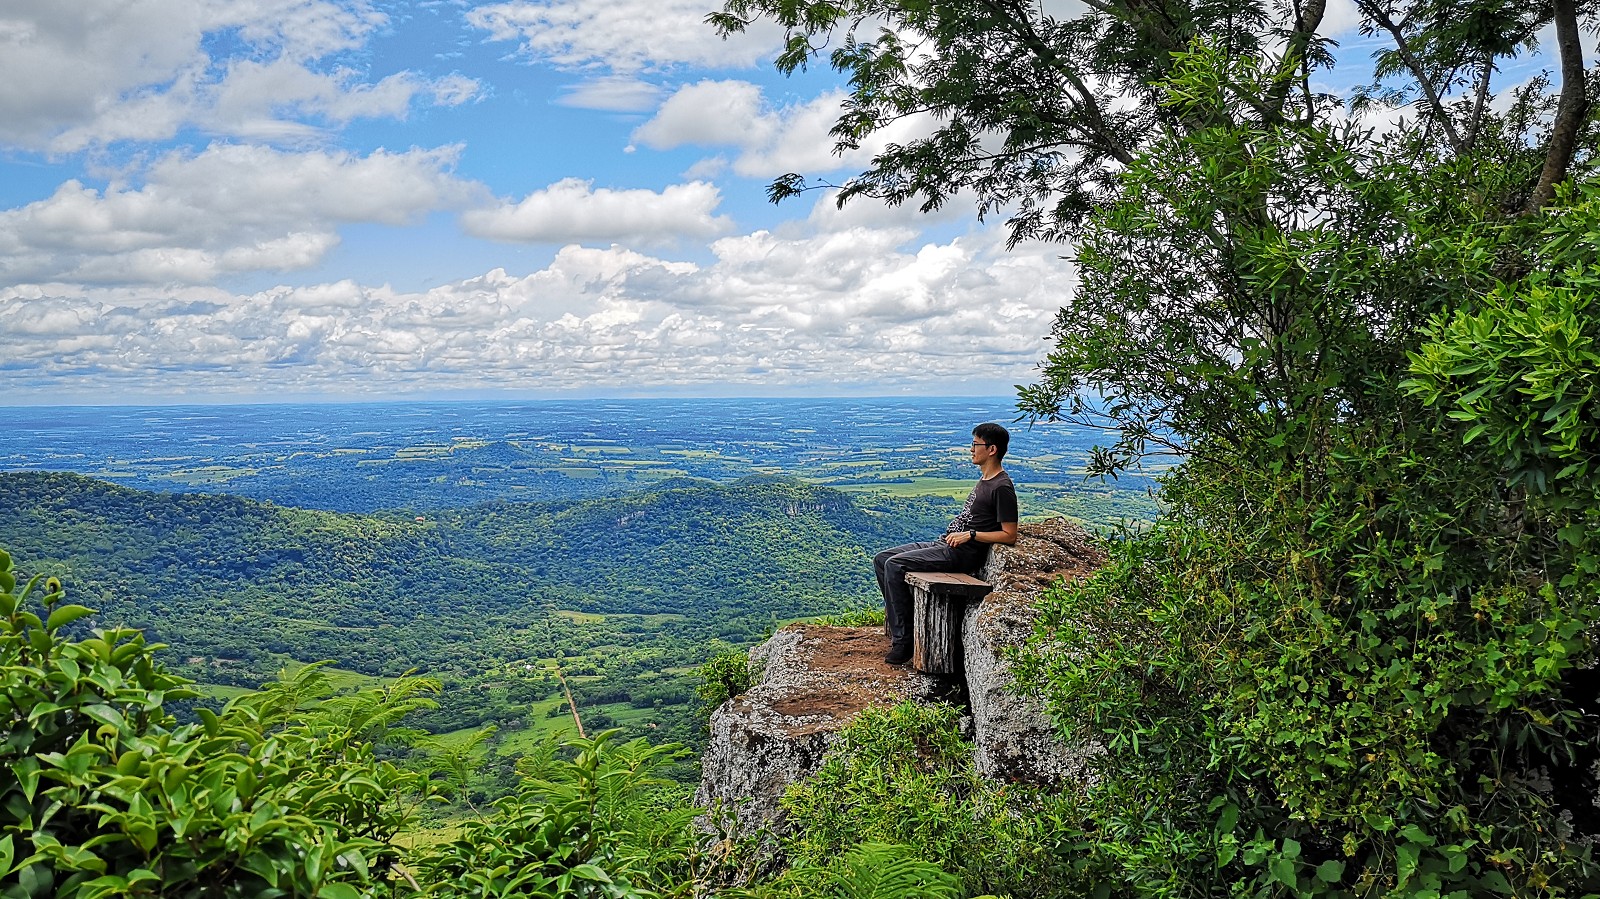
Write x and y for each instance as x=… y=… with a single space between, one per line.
x=1006 y=535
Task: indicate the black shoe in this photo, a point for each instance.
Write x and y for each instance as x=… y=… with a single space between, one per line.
x=898 y=655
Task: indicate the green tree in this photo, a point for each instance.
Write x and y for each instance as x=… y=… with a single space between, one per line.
x=1363 y=610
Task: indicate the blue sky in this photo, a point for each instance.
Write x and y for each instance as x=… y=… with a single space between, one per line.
x=259 y=199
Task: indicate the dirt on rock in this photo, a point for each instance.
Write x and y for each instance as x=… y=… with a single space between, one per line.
x=836 y=673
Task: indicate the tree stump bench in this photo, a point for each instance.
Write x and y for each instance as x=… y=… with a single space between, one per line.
x=940 y=603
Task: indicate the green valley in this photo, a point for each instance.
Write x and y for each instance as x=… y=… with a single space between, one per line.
x=623 y=596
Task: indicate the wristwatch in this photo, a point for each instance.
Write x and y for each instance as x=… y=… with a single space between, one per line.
x=973 y=536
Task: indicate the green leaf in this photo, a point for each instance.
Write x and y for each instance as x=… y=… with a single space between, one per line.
x=7 y=854
x=338 y=891
x=1228 y=819
x=27 y=772
x=1282 y=870
x=65 y=615
x=1411 y=833
x=1406 y=860
x=35 y=880
x=590 y=872
x=1496 y=881
x=105 y=715
x=1330 y=871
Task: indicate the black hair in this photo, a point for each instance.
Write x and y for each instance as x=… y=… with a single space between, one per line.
x=995 y=436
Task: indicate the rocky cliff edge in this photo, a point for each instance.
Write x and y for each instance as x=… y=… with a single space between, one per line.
x=814 y=680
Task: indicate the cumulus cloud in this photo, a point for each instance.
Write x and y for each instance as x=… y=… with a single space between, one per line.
x=709 y=113
x=573 y=210
x=227 y=209
x=623 y=36
x=862 y=309
x=771 y=140
x=74 y=75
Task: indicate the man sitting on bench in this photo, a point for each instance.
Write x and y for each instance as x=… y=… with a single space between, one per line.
x=990 y=516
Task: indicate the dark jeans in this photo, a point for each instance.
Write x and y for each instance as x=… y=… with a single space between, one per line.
x=891 y=566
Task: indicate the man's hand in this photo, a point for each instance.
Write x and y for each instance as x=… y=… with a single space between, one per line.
x=956 y=538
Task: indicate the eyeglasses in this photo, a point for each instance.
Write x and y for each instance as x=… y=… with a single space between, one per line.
x=981 y=443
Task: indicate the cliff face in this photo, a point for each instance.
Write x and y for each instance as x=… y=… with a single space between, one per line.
x=815 y=680
x=1015 y=739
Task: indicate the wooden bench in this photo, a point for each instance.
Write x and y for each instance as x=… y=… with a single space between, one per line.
x=940 y=603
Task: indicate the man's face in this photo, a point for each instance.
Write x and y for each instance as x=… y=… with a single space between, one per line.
x=980 y=451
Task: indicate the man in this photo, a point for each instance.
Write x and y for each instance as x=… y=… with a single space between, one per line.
x=990 y=516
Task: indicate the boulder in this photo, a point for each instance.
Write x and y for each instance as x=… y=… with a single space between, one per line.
x=814 y=680
x=1015 y=739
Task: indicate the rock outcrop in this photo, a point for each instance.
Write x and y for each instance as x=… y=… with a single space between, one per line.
x=813 y=681
x=1015 y=739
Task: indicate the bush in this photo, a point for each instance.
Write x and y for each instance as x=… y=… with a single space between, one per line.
x=109 y=798
x=867 y=617
x=723 y=676
x=905 y=776
x=599 y=825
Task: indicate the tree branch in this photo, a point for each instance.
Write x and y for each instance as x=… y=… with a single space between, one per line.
x=1435 y=100
x=1307 y=18
x=1085 y=99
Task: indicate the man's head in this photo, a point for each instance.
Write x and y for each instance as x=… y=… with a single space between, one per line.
x=990 y=436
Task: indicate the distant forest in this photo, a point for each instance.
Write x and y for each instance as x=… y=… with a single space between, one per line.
x=627 y=593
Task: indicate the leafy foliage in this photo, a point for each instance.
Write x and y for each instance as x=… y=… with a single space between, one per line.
x=1520 y=373
x=867 y=871
x=723 y=676
x=596 y=825
x=904 y=776
x=108 y=798
x=1359 y=630
x=853 y=618
x=484 y=599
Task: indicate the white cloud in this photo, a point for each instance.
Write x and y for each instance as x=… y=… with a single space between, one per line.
x=612 y=94
x=227 y=209
x=572 y=210
x=856 y=309
x=74 y=75
x=623 y=36
x=827 y=217
x=1339 y=18
x=771 y=140
x=709 y=113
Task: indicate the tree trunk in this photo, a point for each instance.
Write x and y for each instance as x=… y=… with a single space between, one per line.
x=1570 y=113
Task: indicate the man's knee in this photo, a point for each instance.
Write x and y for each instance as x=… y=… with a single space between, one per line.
x=880 y=562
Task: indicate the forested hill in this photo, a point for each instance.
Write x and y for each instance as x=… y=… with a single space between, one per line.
x=220 y=577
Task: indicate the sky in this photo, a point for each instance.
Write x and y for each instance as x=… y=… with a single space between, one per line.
x=258 y=200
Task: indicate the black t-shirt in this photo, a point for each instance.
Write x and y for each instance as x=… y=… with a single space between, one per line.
x=990 y=504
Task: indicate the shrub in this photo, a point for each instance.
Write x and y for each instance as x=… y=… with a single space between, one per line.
x=597 y=825
x=723 y=676
x=905 y=776
x=109 y=798
x=854 y=618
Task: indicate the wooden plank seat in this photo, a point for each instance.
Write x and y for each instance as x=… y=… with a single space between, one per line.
x=939 y=603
